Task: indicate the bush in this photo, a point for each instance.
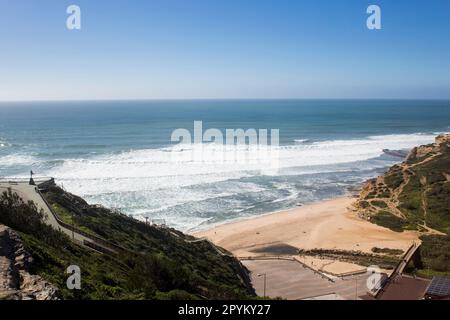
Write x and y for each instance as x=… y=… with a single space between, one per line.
x=388 y=220
x=157 y=265
x=24 y=217
x=394 y=180
x=379 y=204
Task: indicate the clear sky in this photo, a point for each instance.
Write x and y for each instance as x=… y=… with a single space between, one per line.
x=175 y=49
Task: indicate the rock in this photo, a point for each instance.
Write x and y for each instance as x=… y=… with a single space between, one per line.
x=34 y=287
x=16 y=283
x=443 y=138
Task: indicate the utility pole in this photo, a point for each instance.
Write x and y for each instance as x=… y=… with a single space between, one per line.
x=73 y=228
x=263 y=275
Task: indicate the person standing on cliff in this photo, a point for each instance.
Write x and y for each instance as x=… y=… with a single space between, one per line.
x=31 y=178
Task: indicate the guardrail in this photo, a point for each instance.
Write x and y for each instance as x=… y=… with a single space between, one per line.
x=17 y=180
x=400 y=266
x=109 y=246
x=288 y=258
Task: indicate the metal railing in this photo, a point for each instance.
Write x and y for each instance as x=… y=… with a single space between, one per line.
x=24 y=179
x=109 y=246
x=406 y=258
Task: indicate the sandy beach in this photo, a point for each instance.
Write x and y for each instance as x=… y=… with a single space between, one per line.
x=329 y=224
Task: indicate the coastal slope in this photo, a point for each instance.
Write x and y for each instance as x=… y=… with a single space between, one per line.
x=143 y=261
x=415 y=195
x=16 y=282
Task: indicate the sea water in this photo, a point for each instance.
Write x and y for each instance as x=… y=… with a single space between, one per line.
x=119 y=154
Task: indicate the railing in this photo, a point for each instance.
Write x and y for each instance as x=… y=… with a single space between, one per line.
x=96 y=247
x=18 y=180
x=399 y=268
x=289 y=258
x=97 y=239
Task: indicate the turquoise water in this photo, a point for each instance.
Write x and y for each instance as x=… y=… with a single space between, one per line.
x=119 y=153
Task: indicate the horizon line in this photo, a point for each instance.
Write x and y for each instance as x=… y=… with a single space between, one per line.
x=220 y=99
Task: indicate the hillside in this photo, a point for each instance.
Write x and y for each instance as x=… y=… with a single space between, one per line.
x=16 y=282
x=149 y=262
x=415 y=195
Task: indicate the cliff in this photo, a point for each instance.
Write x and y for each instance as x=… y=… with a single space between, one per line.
x=415 y=195
x=148 y=262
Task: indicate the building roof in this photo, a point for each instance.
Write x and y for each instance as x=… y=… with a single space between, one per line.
x=439 y=287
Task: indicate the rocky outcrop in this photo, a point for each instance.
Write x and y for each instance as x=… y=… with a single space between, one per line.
x=16 y=282
x=423 y=152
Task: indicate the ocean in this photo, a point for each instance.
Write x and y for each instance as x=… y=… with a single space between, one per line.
x=119 y=154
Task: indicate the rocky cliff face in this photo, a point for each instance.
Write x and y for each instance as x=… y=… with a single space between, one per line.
x=16 y=282
x=414 y=195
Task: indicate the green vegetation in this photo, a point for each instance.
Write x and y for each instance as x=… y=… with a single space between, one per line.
x=379 y=204
x=394 y=179
x=65 y=216
x=436 y=255
x=395 y=252
x=387 y=261
x=160 y=263
x=388 y=220
x=421 y=188
x=411 y=200
x=364 y=204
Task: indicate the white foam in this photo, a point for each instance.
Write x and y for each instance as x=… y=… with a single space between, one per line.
x=17 y=160
x=157 y=164
x=301 y=141
x=150 y=182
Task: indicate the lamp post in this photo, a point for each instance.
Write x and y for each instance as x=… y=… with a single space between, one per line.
x=265 y=276
x=73 y=228
x=356 y=279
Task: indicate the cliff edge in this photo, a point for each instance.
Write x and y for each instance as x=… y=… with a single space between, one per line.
x=16 y=282
x=415 y=195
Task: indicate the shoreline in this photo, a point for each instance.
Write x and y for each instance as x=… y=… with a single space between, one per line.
x=206 y=227
x=327 y=224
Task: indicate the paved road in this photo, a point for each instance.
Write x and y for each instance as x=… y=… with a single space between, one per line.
x=292 y=281
x=29 y=193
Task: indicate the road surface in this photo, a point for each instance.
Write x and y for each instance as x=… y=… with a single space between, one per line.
x=29 y=193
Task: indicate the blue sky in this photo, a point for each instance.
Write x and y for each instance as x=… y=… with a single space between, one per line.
x=175 y=49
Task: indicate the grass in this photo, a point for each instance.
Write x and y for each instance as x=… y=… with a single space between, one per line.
x=394 y=179
x=160 y=265
x=435 y=254
x=379 y=204
x=66 y=217
x=388 y=220
x=360 y=258
x=389 y=251
x=424 y=200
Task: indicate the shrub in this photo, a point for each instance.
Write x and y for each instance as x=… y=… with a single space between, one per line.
x=388 y=220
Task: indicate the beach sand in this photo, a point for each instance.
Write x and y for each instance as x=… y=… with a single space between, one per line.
x=329 y=224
